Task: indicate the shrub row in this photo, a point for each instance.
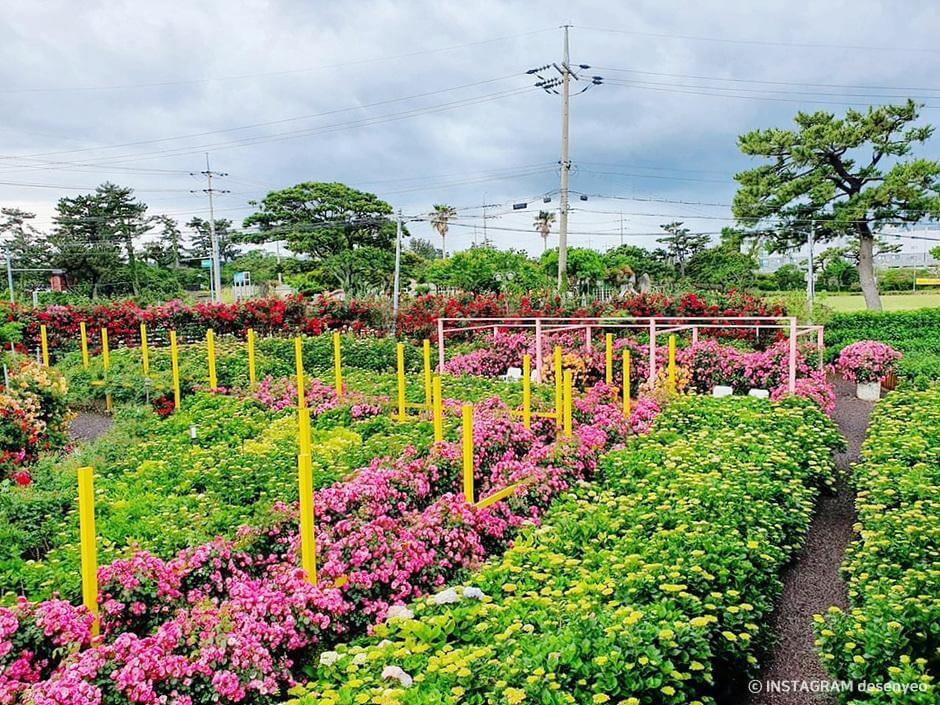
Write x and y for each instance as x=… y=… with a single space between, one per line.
x=891 y=633
x=914 y=333
x=654 y=587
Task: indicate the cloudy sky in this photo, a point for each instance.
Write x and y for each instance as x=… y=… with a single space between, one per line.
x=429 y=102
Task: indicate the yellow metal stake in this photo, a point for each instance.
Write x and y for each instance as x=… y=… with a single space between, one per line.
x=568 y=403
x=106 y=363
x=672 y=363
x=558 y=387
x=427 y=373
x=84 y=332
x=251 y=357
x=337 y=364
x=210 y=354
x=626 y=383
x=308 y=545
x=467 y=432
x=175 y=364
x=144 y=350
x=400 y=355
x=299 y=364
x=438 y=410
x=609 y=358
x=44 y=345
x=88 y=542
x=527 y=391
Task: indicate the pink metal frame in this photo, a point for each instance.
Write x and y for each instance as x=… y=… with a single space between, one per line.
x=653 y=326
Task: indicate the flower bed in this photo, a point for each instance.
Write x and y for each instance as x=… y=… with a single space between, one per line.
x=652 y=588
x=226 y=621
x=160 y=491
x=417 y=317
x=890 y=632
x=33 y=417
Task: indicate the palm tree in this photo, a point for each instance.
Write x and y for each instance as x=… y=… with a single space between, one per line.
x=543 y=223
x=440 y=218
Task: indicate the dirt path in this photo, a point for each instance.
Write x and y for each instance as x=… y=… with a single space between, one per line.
x=88 y=425
x=812 y=582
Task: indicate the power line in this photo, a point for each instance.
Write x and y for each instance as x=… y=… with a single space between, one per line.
x=267 y=74
x=763 y=42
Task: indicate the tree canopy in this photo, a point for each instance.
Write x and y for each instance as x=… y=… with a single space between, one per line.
x=846 y=176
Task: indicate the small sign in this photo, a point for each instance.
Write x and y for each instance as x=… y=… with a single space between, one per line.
x=925 y=281
x=206 y=264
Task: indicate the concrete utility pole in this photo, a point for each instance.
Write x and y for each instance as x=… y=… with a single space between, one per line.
x=565 y=169
x=216 y=283
x=549 y=85
x=10 y=277
x=810 y=273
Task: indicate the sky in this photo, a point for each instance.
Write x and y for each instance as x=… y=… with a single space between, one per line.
x=429 y=102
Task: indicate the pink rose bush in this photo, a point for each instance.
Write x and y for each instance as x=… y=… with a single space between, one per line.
x=281 y=393
x=867 y=361
x=236 y=621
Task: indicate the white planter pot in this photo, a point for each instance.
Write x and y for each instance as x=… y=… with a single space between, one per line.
x=759 y=393
x=722 y=391
x=868 y=391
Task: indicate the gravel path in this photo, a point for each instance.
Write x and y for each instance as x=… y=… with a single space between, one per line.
x=88 y=425
x=812 y=582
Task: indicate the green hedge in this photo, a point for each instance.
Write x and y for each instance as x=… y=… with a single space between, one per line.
x=914 y=333
x=892 y=629
x=652 y=587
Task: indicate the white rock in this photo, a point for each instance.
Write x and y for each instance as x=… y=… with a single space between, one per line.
x=759 y=393
x=395 y=673
x=722 y=391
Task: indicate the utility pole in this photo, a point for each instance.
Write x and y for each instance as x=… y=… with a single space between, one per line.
x=565 y=169
x=216 y=283
x=550 y=85
x=10 y=277
x=397 y=284
x=811 y=277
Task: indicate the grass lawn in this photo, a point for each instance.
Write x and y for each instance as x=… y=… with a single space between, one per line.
x=844 y=303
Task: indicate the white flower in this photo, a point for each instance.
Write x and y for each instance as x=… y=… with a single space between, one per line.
x=399 y=612
x=473 y=593
x=394 y=672
x=446 y=597
x=328 y=658
x=385 y=642
x=360 y=658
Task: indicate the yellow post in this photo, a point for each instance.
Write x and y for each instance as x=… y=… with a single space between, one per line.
x=105 y=351
x=251 y=357
x=568 y=403
x=308 y=545
x=106 y=363
x=337 y=365
x=299 y=365
x=144 y=350
x=44 y=345
x=558 y=387
x=672 y=363
x=88 y=542
x=438 y=410
x=400 y=354
x=427 y=373
x=84 y=332
x=626 y=383
x=467 y=431
x=210 y=354
x=609 y=359
x=527 y=391
x=175 y=363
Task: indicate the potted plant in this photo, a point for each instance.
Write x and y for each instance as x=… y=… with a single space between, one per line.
x=867 y=363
